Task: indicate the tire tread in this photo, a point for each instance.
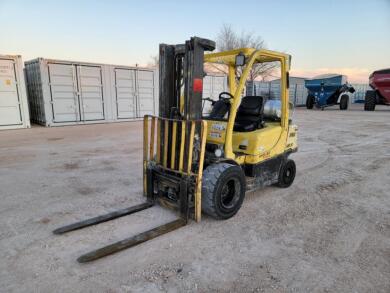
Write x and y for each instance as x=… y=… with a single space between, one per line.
x=210 y=179
x=369 y=101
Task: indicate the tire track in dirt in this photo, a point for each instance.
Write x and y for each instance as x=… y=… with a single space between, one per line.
x=338 y=181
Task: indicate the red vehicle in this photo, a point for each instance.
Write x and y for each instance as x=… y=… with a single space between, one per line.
x=380 y=93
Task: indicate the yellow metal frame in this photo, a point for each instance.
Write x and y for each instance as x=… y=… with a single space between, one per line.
x=227 y=136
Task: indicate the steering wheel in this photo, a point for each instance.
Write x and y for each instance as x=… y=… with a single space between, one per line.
x=230 y=96
x=209 y=100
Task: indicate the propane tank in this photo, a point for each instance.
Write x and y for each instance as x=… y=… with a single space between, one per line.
x=272 y=110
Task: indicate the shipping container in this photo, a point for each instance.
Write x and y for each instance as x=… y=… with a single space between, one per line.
x=13 y=99
x=68 y=92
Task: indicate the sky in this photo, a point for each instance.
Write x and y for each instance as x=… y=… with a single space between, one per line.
x=350 y=37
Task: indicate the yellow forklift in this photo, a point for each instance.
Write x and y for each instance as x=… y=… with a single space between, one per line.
x=198 y=162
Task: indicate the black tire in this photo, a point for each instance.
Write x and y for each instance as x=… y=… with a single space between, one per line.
x=309 y=102
x=287 y=174
x=223 y=190
x=370 y=101
x=344 y=100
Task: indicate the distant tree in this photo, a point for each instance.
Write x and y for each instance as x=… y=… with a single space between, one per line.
x=229 y=39
x=154 y=62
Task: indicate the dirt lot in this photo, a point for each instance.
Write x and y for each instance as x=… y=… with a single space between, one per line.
x=330 y=231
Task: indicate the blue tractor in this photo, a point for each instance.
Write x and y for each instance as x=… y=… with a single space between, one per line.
x=328 y=90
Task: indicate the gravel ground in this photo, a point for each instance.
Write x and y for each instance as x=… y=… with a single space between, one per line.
x=330 y=231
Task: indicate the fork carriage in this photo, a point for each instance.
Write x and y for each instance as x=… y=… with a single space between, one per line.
x=173 y=163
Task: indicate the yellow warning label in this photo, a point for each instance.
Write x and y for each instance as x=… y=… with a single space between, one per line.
x=7 y=82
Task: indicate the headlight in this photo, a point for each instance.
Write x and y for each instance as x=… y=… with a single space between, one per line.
x=218 y=153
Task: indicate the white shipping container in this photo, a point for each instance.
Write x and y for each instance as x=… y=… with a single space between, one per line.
x=13 y=99
x=68 y=92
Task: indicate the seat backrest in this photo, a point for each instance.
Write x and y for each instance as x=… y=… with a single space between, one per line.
x=219 y=110
x=251 y=107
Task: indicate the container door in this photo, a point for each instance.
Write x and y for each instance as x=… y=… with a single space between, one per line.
x=63 y=87
x=125 y=93
x=9 y=96
x=91 y=92
x=145 y=87
x=219 y=86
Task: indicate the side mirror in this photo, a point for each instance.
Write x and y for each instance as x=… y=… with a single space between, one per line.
x=240 y=59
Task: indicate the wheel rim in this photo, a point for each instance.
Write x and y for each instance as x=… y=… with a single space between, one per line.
x=230 y=193
x=288 y=174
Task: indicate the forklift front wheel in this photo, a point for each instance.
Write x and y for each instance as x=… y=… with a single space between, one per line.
x=287 y=174
x=223 y=190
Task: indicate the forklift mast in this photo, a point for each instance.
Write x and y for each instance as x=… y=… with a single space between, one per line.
x=181 y=75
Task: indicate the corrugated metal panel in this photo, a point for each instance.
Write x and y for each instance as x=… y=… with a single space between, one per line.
x=35 y=92
x=293 y=80
x=271 y=90
x=360 y=92
x=67 y=92
x=125 y=93
x=13 y=99
x=298 y=92
x=219 y=85
x=63 y=89
x=207 y=93
x=146 y=92
x=9 y=96
x=90 y=86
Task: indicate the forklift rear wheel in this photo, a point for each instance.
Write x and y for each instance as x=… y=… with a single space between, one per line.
x=344 y=102
x=287 y=174
x=223 y=190
x=310 y=102
x=369 y=101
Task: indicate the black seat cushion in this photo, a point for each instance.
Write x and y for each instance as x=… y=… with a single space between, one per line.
x=250 y=114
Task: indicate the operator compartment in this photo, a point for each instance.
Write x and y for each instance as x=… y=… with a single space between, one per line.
x=250 y=125
x=257 y=126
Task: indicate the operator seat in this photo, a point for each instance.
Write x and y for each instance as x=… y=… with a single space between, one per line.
x=249 y=116
x=219 y=110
